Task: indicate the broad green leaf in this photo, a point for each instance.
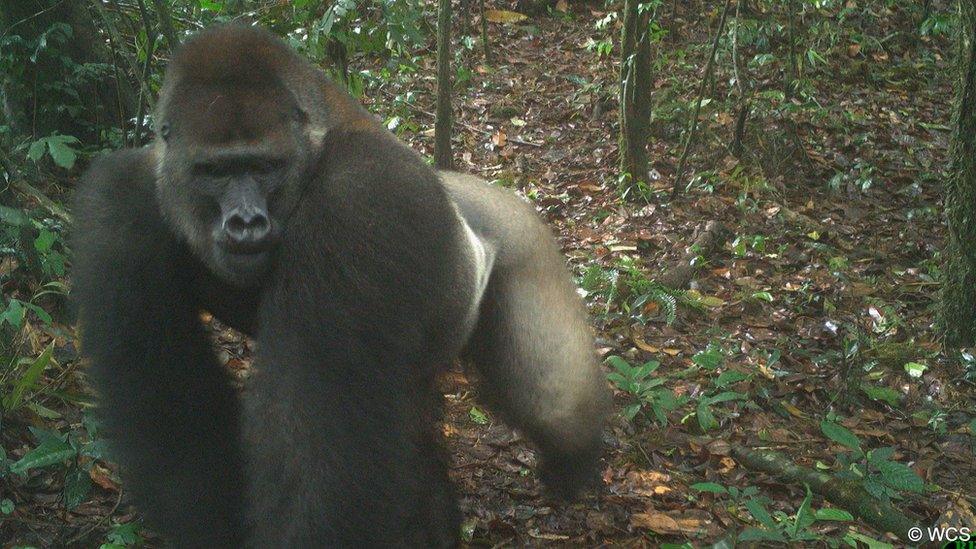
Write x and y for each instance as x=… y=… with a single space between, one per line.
x=758 y=510
x=29 y=379
x=804 y=515
x=6 y=506
x=729 y=377
x=49 y=452
x=915 y=369
x=631 y=411
x=63 y=155
x=13 y=314
x=709 y=359
x=900 y=476
x=125 y=534
x=77 y=484
x=724 y=397
x=13 y=216
x=840 y=435
x=620 y=365
x=884 y=394
x=834 y=514
x=478 y=416
x=44 y=240
x=36 y=150
x=870 y=542
x=706 y=419
x=710 y=487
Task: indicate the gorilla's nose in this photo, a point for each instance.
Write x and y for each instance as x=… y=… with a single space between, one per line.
x=247 y=228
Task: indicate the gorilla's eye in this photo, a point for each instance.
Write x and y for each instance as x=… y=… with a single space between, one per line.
x=300 y=115
x=164 y=131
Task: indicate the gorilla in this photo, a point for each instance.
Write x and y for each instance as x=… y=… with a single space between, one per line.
x=271 y=199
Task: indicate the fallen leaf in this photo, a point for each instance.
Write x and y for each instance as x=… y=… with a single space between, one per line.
x=504 y=16
x=499 y=139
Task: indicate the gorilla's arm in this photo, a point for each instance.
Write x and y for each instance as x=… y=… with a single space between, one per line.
x=532 y=343
x=168 y=407
x=340 y=416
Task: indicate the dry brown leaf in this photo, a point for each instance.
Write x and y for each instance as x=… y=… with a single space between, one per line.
x=499 y=139
x=645 y=346
x=504 y=16
x=102 y=477
x=665 y=524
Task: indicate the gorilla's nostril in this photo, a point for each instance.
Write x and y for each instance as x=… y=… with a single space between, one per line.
x=247 y=227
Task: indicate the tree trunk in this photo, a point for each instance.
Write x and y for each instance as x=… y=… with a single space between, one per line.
x=443 y=158
x=635 y=90
x=958 y=307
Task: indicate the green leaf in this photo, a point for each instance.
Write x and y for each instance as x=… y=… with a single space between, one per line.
x=878 y=455
x=42 y=410
x=49 y=452
x=6 y=506
x=125 y=534
x=13 y=216
x=840 y=435
x=729 y=377
x=620 y=365
x=758 y=510
x=41 y=313
x=834 y=514
x=77 y=484
x=724 y=397
x=44 y=240
x=710 y=487
x=884 y=394
x=478 y=416
x=854 y=537
x=710 y=359
x=631 y=411
x=36 y=150
x=915 y=369
x=63 y=155
x=804 y=515
x=763 y=296
x=900 y=476
x=13 y=314
x=29 y=379
x=706 y=419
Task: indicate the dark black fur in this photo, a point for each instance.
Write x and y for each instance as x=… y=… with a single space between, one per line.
x=335 y=441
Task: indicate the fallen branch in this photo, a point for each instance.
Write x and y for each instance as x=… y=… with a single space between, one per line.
x=847 y=494
x=51 y=206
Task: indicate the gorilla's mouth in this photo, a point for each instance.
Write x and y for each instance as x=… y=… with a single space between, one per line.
x=242 y=266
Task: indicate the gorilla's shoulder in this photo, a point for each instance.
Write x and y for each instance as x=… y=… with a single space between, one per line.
x=116 y=189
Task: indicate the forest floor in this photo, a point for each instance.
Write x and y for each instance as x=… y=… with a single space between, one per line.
x=819 y=299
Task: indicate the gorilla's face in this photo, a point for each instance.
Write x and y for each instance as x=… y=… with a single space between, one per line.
x=231 y=169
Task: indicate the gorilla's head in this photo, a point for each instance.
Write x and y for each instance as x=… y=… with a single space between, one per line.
x=233 y=147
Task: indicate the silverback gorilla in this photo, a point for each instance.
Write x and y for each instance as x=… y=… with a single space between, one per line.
x=273 y=200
